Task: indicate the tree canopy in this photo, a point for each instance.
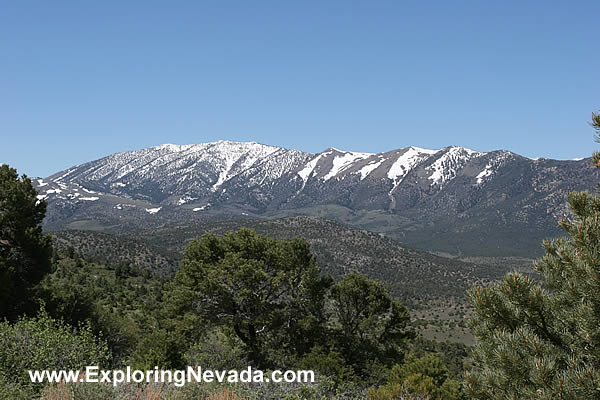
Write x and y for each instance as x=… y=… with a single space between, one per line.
x=369 y=324
x=269 y=292
x=25 y=252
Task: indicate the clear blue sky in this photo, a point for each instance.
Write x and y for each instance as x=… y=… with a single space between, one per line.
x=80 y=80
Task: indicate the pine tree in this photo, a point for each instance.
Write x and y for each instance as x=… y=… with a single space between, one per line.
x=541 y=339
x=25 y=252
x=596 y=125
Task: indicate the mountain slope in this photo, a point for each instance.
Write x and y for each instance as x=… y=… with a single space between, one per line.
x=177 y=174
x=413 y=275
x=454 y=199
x=112 y=249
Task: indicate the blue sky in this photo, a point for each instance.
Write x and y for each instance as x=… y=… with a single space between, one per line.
x=80 y=80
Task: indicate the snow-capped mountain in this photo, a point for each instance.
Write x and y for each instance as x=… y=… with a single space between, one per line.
x=413 y=193
x=173 y=173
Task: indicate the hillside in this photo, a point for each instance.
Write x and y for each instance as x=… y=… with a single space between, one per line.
x=413 y=275
x=111 y=249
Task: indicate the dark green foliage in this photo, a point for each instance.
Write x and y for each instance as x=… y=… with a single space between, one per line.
x=25 y=252
x=426 y=376
x=156 y=348
x=544 y=341
x=328 y=362
x=41 y=343
x=453 y=355
x=217 y=350
x=125 y=308
x=268 y=292
x=369 y=325
x=596 y=125
x=238 y=299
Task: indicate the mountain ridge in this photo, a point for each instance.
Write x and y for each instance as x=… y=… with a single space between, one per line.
x=417 y=195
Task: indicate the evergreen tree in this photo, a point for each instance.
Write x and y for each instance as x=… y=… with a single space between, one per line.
x=542 y=340
x=369 y=325
x=25 y=252
x=268 y=292
x=596 y=125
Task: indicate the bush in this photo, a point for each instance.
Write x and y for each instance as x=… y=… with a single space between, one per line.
x=41 y=343
x=425 y=377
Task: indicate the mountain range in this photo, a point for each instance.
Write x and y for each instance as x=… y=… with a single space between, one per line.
x=452 y=200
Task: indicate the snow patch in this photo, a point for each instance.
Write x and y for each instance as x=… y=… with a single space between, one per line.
x=173 y=147
x=487 y=171
x=367 y=169
x=446 y=167
x=236 y=157
x=492 y=166
x=65 y=174
x=185 y=199
x=403 y=165
x=307 y=171
x=41 y=183
x=89 y=198
x=341 y=163
x=407 y=161
x=152 y=211
x=49 y=191
x=204 y=207
x=120 y=206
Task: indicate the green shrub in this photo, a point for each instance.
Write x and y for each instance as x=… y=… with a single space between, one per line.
x=41 y=343
x=425 y=377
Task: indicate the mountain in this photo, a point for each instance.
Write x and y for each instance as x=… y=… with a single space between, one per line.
x=453 y=200
x=172 y=174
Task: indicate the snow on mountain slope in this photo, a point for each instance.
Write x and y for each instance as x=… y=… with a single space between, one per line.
x=306 y=172
x=65 y=193
x=370 y=167
x=447 y=165
x=407 y=161
x=342 y=161
x=185 y=174
x=233 y=158
x=492 y=166
x=269 y=169
x=262 y=177
x=190 y=170
x=487 y=171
